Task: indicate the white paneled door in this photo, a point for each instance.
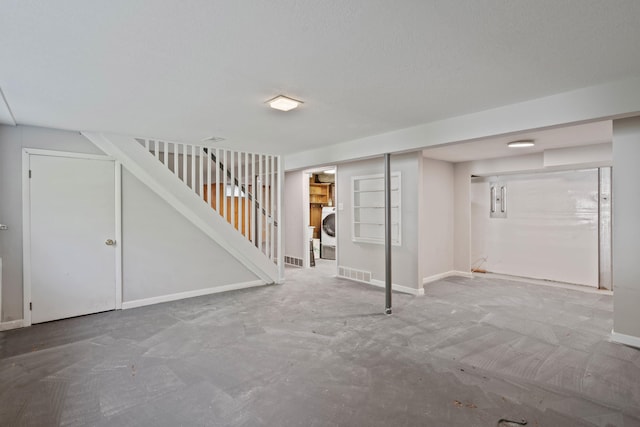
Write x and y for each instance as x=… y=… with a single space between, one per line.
x=72 y=236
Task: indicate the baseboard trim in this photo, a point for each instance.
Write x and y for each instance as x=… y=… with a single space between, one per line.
x=190 y=294
x=446 y=274
x=543 y=282
x=625 y=339
x=396 y=287
x=13 y=324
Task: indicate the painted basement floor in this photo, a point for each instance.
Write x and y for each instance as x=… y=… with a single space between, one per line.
x=317 y=352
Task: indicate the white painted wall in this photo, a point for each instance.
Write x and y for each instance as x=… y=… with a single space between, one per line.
x=551 y=228
x=12 y=141
x=295 y=222
x=0 y=290
x=579 y=157
x=574 y=158
x=598 y=155
x=368 y=256
x=462 y=217
x=436 y=218
x=504 y=165
x=163 y=253
x=626 y=228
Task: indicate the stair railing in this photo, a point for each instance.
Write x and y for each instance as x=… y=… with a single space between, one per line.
x=243 y=187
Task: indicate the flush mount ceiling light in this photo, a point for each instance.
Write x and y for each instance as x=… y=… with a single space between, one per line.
x=330 y=171
x=521 y=143
x=283 y=103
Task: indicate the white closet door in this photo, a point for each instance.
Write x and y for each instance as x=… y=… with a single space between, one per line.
x=72 y=207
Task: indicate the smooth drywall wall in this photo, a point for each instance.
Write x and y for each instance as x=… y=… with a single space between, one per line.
x=437 y=217
x=567 y=159
x=462 y=217
x=163 y=253
x=502 y=165
x=12 y=141
x=550 y=230
x=597 y=155
x=370 y=256
x=626 y=227
x=294 y=221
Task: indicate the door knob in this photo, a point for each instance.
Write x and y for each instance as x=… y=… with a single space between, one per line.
x=110 y=242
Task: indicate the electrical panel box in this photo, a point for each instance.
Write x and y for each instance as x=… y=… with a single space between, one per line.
x=498 y=200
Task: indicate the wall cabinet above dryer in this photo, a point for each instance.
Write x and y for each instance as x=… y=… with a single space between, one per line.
x=319 y=193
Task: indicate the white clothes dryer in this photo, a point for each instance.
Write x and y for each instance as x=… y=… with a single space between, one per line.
x=328 y=233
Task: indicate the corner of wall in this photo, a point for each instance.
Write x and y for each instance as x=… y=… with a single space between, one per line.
x=462 y=217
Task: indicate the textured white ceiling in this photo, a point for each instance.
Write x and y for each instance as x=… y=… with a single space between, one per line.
x=491 y=148
x=186 y=70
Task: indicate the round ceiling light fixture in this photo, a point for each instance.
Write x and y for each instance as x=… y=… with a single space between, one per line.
x=521 y=143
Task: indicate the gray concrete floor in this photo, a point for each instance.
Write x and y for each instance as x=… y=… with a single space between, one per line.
x=317 y=351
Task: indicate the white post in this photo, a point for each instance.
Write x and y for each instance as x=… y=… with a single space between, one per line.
x=272 y=200
x=280 y=253
x=200 y=172
x=193 y=169
x=209 y=176
x=246 y=217
x=232 y=164
x=254 y=213
x=175 y=159
x=217 y=165
x=184 y=165
x=223 y=195
x=259 y=184
x=267 y=205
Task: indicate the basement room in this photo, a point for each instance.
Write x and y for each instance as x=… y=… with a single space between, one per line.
x=330 y=213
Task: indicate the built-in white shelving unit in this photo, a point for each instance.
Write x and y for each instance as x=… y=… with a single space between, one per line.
x=367 y=203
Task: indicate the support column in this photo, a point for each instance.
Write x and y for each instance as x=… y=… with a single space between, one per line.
x=387 y=232
x=626 y=231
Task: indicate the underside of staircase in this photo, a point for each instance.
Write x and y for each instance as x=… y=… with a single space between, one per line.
x=212 y=188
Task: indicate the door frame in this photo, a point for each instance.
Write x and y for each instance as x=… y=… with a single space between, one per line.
x=26 y=222
x=306 y=174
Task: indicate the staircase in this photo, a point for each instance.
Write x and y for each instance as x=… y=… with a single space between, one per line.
x=233 y=197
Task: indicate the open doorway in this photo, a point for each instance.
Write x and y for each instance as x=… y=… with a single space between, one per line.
x=534 y=206
x=551 y=226
x=322 y=218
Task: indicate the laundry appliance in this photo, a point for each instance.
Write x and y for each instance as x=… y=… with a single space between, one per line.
x=328 y=233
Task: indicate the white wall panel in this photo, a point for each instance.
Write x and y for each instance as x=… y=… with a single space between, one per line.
x=369 y=257
x=626 y=229
x=295 y=222
x=437 y=217
x=551 y=228
x=164 y=253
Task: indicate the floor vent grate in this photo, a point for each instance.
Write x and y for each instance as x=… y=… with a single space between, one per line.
x=354 y=274
x=290 y=260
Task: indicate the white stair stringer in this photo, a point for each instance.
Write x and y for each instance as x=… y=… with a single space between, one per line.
x=163 y=182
